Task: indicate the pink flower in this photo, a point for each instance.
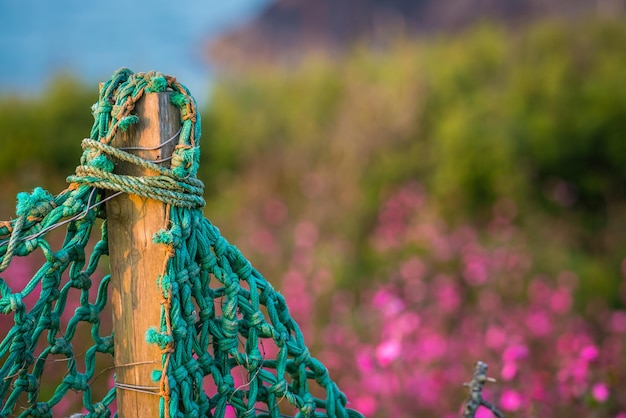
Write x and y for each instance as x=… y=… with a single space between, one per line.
x=387 y=302
x=387 y=352
x=364 y=362
x=600 y=392
x=365 y=405
x=589 y=353
x=306 y=234
x=483 y=413
x=412 y=269
x=539 y=323
x=515 y=352
x=495 y=337
x=432 y=346
x=618 y=322
x=275 y=211
x=561 y=301
x=509 y=370
x=475 y=271
x=447 y=297
x=510 y=400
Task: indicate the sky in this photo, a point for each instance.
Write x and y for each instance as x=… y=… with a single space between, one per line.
x=40 y=39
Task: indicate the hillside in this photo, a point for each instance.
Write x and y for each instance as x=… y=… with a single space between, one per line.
x=288 y=29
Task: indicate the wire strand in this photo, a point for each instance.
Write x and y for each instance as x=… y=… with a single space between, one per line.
x=66 y=221
x=155 y=147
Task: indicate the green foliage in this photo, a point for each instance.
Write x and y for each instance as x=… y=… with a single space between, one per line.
x=41 y=136
x=534 y=118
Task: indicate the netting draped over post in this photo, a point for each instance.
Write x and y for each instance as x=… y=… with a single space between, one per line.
x=219 y=318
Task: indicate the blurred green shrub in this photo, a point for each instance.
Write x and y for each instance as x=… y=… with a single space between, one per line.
x=534 y=118
x=40 y=137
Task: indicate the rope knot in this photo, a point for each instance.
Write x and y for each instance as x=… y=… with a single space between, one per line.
x=54 y=321
x=42 y=409
x=206 y=362
x=254 y=360
x=61 y=346
x=153 y=336
x=78 y=382
x=155 y=82
x=308 y=408
x=36 y=204
x=15 y=302
x=106 y=344
x=226 y=386
x=81 y=281
x=28 y=383
x=101 y=410
x=93 y=158
x=185 y=160
x=103 y=106
x=279 y=388
x=304 y=357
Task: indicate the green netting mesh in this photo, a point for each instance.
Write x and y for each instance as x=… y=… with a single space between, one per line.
x=220 y=315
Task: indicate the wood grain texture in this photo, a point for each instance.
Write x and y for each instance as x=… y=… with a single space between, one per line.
x=136 y=262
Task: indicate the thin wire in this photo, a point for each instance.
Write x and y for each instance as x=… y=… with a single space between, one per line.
x=137 y=388
x=73 y=218
x=152 y=148
x=162 y=160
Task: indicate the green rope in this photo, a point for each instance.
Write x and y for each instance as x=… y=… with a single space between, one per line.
x=220 y=314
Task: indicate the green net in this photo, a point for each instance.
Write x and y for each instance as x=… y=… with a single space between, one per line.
x=220 y=315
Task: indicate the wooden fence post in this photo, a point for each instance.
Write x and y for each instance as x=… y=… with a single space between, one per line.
x=136 y=262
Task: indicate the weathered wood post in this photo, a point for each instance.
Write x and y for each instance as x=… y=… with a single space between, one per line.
x=136 y=262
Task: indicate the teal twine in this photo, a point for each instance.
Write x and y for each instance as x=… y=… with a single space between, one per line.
x=220 y=315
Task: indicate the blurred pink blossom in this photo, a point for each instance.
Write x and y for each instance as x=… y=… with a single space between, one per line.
x=509 y=370
x=447 y=295
x=364 y=404
x=387 y=352
x=262 y=240
x=510 y=400
x=495 y=337
x=412 y=269
x=539 y=323
x=387 y=302
x=589 y=353
x=483 y=413
x=364 y=362
x=306 y=234
x=275 y=211
x=515 y=352
x=432 y=346
x=475 y=271
x=618 y=322
x=561 y=301
x=600 y=392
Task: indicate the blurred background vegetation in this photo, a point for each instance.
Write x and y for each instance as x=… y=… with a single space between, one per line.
x=529 y=121
x=534 y=117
